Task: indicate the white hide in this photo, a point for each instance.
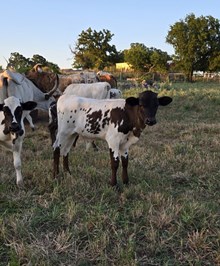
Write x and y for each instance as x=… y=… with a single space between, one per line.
x=72 y=108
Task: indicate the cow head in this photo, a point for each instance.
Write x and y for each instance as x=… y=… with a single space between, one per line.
x=115 y=93
x=12 y=109
x=47 y=82
x=148 y=103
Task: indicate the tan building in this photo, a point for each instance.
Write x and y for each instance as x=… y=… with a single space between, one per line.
x=123 y=66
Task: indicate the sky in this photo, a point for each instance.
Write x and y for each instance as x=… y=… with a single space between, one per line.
x=50 y=27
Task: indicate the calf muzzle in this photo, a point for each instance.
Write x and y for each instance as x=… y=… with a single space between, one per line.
x=150 y=122
x=16 y=128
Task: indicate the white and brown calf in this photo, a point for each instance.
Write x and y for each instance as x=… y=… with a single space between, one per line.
x=119 y=122
x=12 y=130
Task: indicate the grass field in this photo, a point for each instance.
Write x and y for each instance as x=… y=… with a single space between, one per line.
x=168 y=215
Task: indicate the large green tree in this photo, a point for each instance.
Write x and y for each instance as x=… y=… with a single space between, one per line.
x=196 y=41
x=138 y=57
x=144 y=59
x=94 y=51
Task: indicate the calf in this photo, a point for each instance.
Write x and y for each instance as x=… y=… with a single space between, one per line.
x=119 y=122
x=12 y=129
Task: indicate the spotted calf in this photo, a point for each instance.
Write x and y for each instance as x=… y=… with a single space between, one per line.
x=119 y=122
x=12 y=130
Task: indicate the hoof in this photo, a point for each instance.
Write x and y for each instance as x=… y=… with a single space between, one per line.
x=20 y=184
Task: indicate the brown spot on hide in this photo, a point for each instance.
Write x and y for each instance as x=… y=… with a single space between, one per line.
x=120 y=119
x=93 y=122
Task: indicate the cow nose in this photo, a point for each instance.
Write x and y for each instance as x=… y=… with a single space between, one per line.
x=15 y=127
x=150 y=122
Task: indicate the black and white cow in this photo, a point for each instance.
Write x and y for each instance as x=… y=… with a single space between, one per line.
x=12 y=130
x=119 y=122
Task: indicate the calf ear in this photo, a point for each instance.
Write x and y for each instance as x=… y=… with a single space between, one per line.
x=132 y=101
x=1 y=106
x=165 y=100
x=30 y=105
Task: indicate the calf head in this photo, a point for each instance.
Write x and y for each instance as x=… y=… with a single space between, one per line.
x=12 y=109
x=148 y=103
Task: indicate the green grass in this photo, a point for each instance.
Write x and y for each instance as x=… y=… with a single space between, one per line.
x=168 y=215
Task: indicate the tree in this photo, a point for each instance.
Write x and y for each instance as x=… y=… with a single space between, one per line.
x=158 y=60
x=22 y=64
x=93 y=50
x=18 y=62
x=196 y=42
x=138 y=57
x=143 y=59
x=38 y=59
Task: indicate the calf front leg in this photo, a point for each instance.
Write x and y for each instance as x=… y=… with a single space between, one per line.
x=56 y=161
x=17 y=166
x=114 y=167
x=124 y=161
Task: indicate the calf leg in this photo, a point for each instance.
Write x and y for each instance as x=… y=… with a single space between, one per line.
x=124 y=161
x=66 y=164
x=17 y=165
x=56 y=161
x=30 y=121
x=114 y=167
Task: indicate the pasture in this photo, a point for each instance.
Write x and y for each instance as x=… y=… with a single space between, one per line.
x=169 y=214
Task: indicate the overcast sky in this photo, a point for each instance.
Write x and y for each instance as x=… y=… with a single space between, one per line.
x=50 y=27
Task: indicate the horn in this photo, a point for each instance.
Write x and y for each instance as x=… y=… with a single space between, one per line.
x=50 y=93
x=37 y=68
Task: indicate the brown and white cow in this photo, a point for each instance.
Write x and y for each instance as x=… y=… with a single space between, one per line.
x=12 y=129
x=119 y=122
x=47 y=80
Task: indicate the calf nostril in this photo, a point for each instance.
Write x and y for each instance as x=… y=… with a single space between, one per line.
x=14 y=127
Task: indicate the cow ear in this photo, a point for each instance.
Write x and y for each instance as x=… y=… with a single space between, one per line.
x=1 y=106
x=165 y=100
x=132 y=101
x=30 y=105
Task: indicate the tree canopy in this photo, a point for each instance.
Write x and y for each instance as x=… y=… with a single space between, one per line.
x=196 y=42
x=94 y=51
x=22 y=64
x=144 y=59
